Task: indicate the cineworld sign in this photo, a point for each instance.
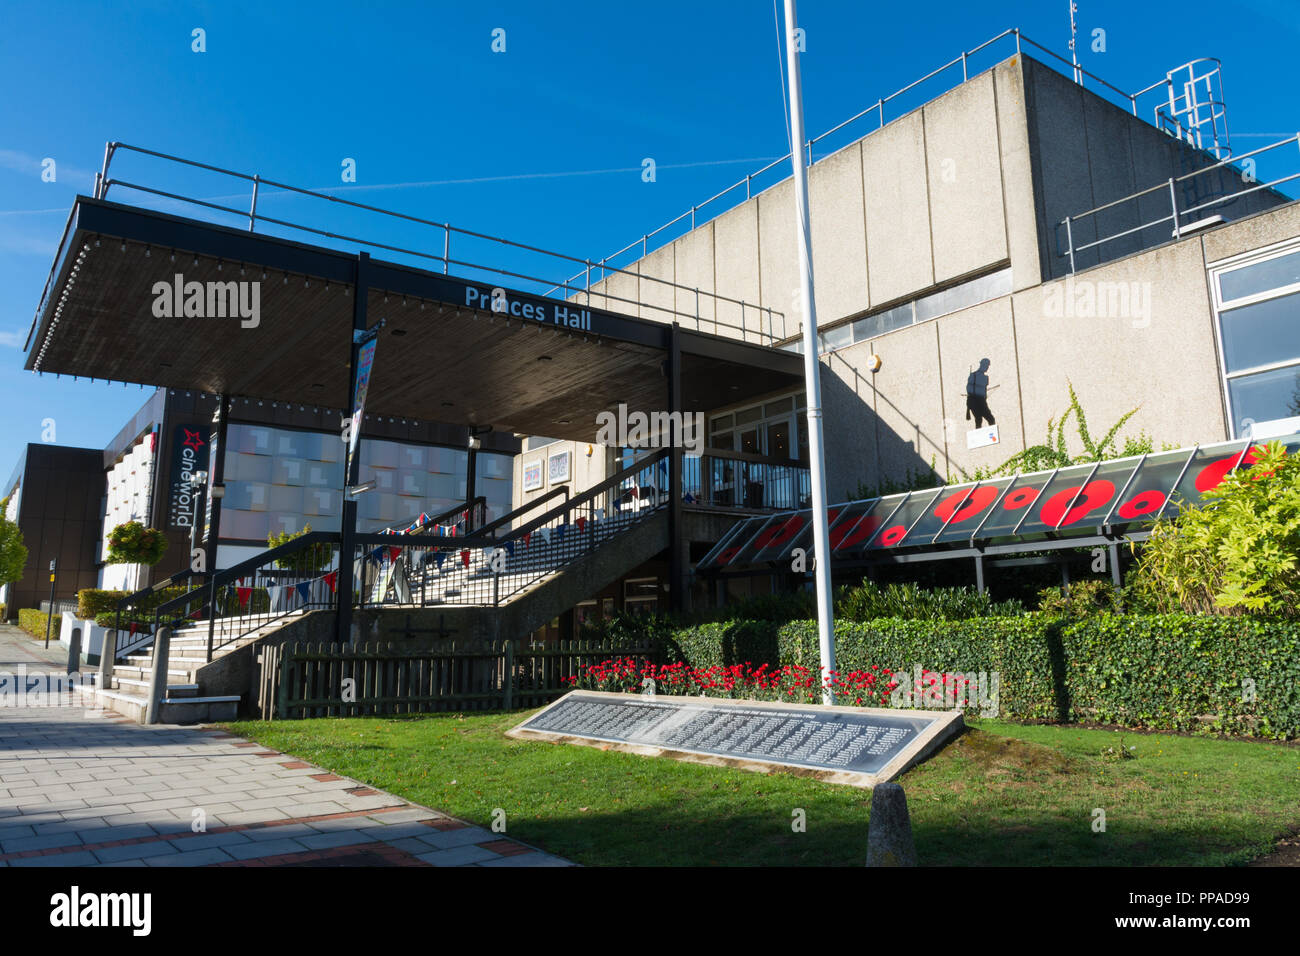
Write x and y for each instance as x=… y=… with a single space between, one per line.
x=1079 y=499
x=189 y=453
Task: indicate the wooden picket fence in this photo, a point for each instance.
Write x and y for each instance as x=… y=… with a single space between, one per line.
x=311 y=680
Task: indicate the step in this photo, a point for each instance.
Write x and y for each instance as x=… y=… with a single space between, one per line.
x=173 y=690
x=196 y=710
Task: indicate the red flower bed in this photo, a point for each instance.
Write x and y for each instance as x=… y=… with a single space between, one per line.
x=872 y=687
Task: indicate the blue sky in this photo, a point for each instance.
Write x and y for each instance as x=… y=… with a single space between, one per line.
x=543 y=143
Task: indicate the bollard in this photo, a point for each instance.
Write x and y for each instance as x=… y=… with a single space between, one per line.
x=74 y=652
x=106 y=655
x=889 y=834
x=158 y=679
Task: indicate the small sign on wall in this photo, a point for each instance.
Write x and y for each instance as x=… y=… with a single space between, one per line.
x=982 y=437
x=532 y=475
x=559 y=466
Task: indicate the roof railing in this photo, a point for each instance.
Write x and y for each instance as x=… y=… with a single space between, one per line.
x=768 y=327
x=1177 y=217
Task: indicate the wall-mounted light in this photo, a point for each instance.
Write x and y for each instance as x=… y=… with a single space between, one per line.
x=354 y=490
x=874 y=362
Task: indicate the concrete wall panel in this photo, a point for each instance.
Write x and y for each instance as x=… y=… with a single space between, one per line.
x=735 y=250
x=658 y=299
x=965 y=180
x=778 y=249
x=839 y=235
x=899 y=260
x=1158 y=354
x=1017 y=174
x=693 y=255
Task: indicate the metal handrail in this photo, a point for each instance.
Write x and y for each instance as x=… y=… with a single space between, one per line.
x=103 y=182
x=1176 y=214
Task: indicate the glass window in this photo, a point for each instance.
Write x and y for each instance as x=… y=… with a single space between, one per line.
x=722 y=423
x=837 y=338
x=1261 y=333
x=1264 y=396
x=1264 y=276
x=779 y=406
x=749 y=415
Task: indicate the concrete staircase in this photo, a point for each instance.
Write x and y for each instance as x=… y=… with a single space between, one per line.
x=127 y=690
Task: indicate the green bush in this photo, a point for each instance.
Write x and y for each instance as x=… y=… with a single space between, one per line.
x=1161 y=672
x=313 y=558
x=1083 y=598
x=133 y=543
x=867 y=601
x=96 y=602
x=1238 y=553
x=33 y=621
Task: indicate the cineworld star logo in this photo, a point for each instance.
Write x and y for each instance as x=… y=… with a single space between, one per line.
x=192 y=439
x=208 y=300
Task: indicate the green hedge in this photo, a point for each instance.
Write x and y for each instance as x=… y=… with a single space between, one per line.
x=92 y=602
x=32 y=620
x=1168 y=672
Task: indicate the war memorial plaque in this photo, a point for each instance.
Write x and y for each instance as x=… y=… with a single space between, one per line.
x=861 y=746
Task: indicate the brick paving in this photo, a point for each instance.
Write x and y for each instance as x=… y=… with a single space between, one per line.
x=80 y=787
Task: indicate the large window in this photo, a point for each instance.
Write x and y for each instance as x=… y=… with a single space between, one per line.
x=774 y=428
x=1257 y=305
x=280 y=480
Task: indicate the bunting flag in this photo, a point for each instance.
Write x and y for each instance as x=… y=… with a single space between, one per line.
x=464 y=558
x=559 y=532
x=527 y=537
x=439 y=557
x=243 y=594
x=487 y=554
x=133 y=627
x=582 y=523
x=393 y=553
x=510 y=548
x=546 y=535
x=304 y=589
x=332 y=579
x=375 y=553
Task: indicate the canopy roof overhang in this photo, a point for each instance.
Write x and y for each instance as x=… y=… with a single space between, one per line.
x=545 y=367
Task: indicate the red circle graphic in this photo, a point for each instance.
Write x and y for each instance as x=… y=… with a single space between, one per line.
x=1143 y=504
x=847 y=535
x=961 y=505
x=1212 y=475
x=1093 y=496
x=779 y=534
x=1020 y=498
x=891 y=536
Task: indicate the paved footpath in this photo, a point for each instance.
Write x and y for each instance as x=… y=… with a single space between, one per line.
x=83 y=787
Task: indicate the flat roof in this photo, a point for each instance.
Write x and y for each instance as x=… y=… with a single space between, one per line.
x=544 y=367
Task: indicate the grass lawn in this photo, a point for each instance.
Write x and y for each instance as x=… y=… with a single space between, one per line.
x=1003 y=794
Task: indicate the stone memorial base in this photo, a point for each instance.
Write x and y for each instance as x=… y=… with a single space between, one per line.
x=856 y=746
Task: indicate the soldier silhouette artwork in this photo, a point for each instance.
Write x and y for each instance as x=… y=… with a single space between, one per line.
x=977 y=392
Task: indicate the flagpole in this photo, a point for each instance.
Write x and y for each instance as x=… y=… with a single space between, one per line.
x=811 y=362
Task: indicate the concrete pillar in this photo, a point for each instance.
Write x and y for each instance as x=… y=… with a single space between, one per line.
x=107 y=653
x=889 y=833
x=158 y=679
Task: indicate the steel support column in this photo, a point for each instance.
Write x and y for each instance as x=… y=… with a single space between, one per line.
x=348 y=527
x=676 y=567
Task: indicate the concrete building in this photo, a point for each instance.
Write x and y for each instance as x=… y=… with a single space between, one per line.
x=939 y=240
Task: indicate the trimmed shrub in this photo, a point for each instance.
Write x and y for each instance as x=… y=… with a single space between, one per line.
x=867 y=601
x=92 y=603
x=1083 y=598
x=1164 y=672
x=33 y=621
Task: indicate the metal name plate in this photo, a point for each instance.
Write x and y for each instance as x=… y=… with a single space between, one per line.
x=857 y=745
